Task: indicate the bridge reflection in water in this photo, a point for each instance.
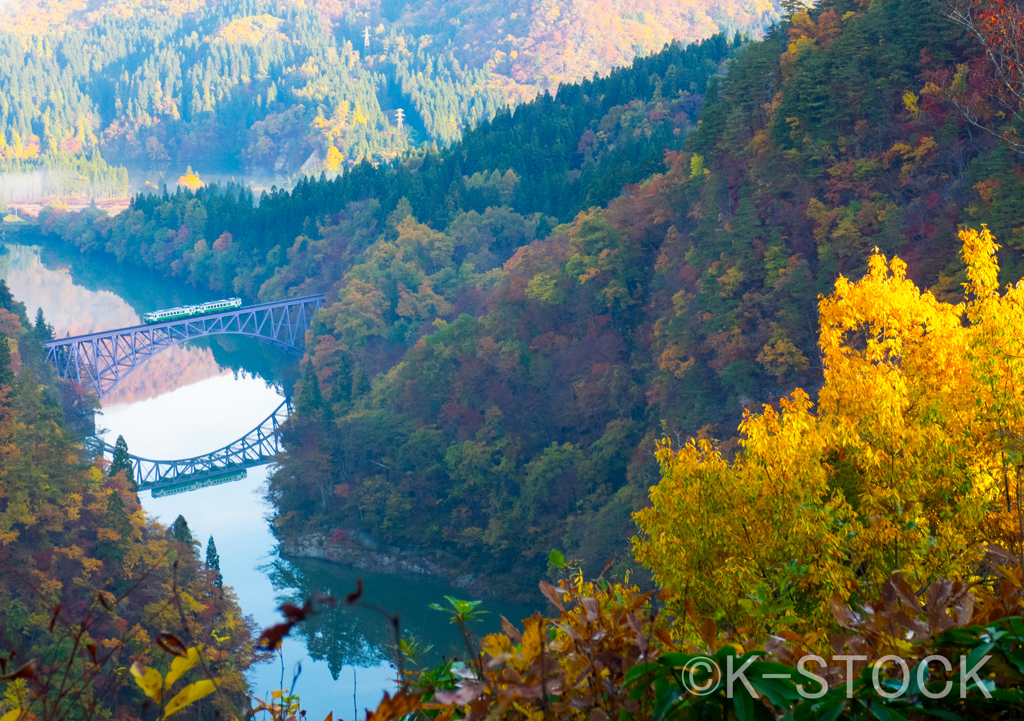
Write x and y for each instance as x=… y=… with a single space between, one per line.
x=256 y=448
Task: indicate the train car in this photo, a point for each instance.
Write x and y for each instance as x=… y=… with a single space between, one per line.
x=190 y=311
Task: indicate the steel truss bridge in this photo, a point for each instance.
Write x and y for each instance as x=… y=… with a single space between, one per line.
x=103 y=359
x=256 y=448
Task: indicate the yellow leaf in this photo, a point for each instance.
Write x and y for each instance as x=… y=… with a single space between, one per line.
x=11 y=715
x=149 y=680
x=181 y=664
x=191 y=693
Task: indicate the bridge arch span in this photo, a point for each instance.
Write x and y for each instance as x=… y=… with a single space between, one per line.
x=101 y=360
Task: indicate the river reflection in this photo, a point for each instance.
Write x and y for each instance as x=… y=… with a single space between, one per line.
x=191 y=400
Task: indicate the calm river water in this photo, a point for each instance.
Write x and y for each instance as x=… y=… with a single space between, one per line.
x=192 y=400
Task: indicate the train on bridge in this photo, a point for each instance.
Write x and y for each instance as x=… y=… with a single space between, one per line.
x=189 y=311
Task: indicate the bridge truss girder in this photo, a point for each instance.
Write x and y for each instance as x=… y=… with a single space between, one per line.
x=103 y=359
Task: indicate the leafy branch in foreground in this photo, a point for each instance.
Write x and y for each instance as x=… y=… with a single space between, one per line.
x=610 y=653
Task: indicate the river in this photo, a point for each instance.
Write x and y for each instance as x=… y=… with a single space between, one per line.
x=187 y=401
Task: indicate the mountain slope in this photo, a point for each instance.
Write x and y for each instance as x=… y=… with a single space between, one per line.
x=275 y=89
x=500 y=350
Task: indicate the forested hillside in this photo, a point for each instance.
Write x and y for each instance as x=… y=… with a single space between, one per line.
x=554 y=156
x=277 y=88
x=514 y=321
x=87 y=582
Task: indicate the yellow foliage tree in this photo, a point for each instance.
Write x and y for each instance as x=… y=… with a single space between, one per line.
x=190 y=180
x=911 y=461
x=334 y=159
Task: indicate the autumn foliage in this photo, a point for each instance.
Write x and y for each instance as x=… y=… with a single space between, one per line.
x=909 y=460
x=90 y=585
x=874 y=524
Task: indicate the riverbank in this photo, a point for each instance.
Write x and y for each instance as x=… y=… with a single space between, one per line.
x=350 y=550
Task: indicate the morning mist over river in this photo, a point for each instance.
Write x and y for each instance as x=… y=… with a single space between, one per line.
x=190 y=400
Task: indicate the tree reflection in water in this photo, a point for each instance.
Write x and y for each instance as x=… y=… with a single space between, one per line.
x=358 y=635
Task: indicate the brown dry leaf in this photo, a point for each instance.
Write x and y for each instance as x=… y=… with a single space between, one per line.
x=399 y=706
x=295 y=614
x=843 y=615
x=171 y=644
x=638 y=631
x=551 y=594
x=270 y=639
x=905 y=593
x=509 y=630
x=27 y=671
x=709 y=632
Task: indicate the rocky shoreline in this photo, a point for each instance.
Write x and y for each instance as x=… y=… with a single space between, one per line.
x=349 y=550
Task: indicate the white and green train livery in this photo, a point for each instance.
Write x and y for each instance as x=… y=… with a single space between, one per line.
x=189 y=311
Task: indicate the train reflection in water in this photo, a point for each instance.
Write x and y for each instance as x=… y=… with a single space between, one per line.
x=175 y=488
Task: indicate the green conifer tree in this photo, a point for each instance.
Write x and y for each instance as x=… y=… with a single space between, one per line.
x=361 y=382
x=181 y=531
x=6 y=373
x=341 y=391
x=44 y=331
x=213 y=562
x=7 y=301
x=310 y=399
x=122 y=462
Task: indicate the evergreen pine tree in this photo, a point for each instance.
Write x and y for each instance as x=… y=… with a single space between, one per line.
x=121 y=460
x=213 y=562
x=6 y=373
x=360 y=383
x=341 y=392
x=310 y=398
x=327 y=414
x=44 y=331
x=181 y=531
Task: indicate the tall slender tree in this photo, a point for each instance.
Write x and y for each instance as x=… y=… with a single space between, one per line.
x=44 y=331
x=213 y=562
x=122 y=461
